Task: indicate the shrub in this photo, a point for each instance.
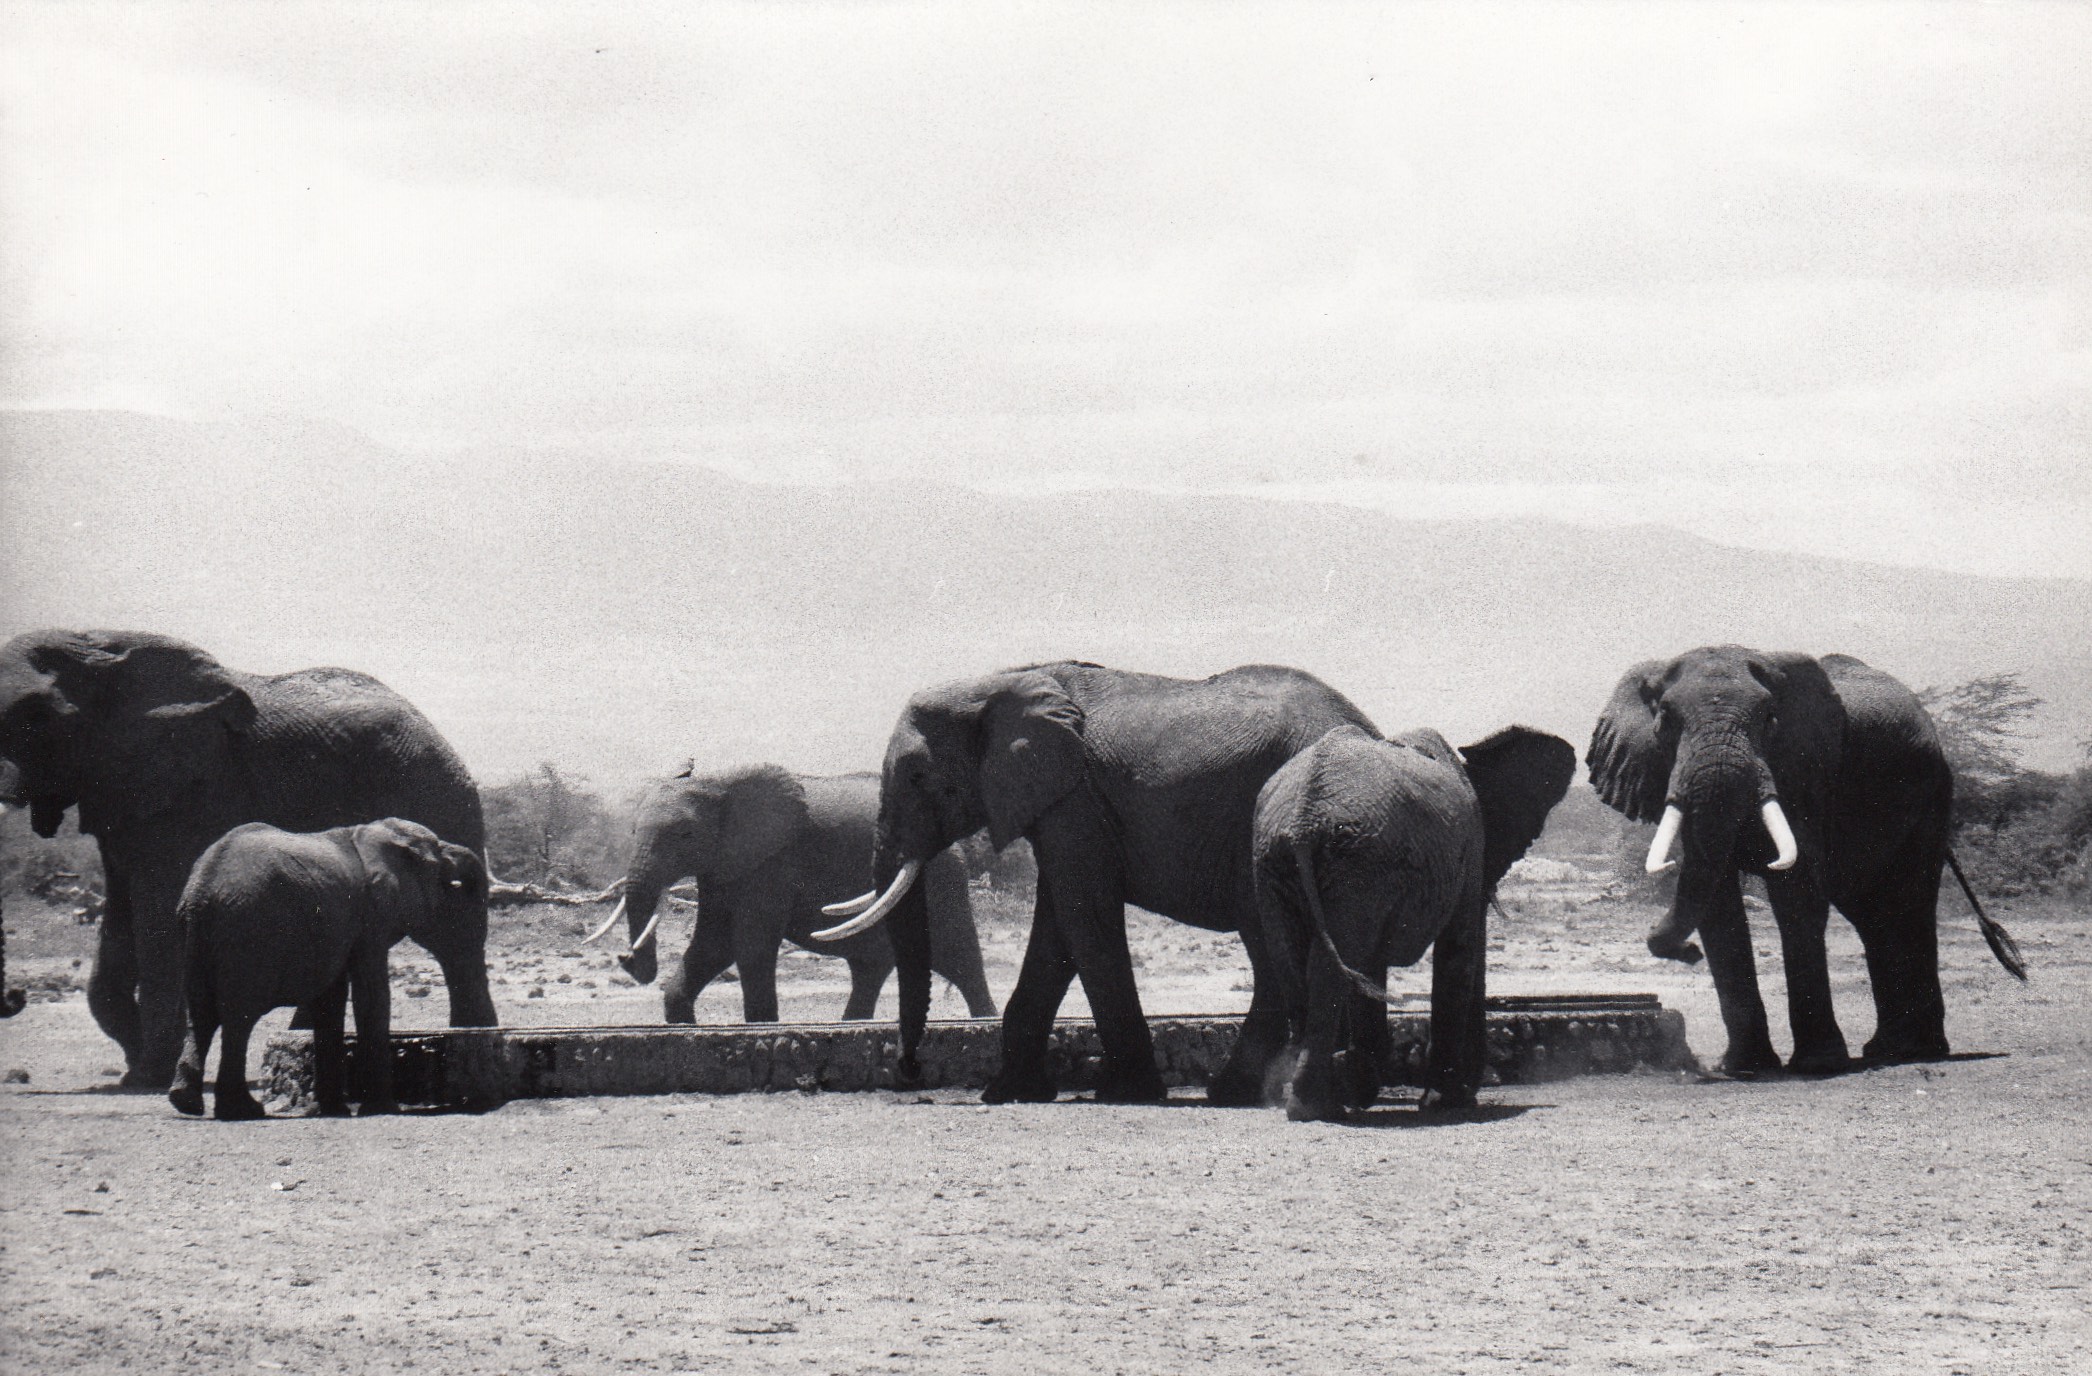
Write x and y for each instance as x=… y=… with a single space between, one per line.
x=548 y=827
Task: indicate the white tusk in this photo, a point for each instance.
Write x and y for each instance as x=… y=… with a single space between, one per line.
x=885 y=903
x=1782 y=835
x=646 y=936
x=1666 y=836
x=851 y=907
x=608 y=922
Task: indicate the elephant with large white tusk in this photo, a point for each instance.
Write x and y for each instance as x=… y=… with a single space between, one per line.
x=768 y=849
x=1824 y=777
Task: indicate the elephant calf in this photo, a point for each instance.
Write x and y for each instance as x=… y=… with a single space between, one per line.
x=275 y=919
x=768 y=848
x=1366 y=852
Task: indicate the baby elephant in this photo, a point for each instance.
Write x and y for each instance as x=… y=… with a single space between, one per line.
x=1368 y=851
x=275 y=919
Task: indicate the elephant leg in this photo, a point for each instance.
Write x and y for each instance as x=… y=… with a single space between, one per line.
x=1262 y=1041
x=710 y=952
x=157 y=942
x=187 y=1092
x=370 y=988
x=955 y=945
x=1727 y=937
x=112 y=986
x=330 y=1053
x=1898 y=926
x=1317 y=1091
x=1027 y=1019
x=1371 y=1043
x=1459 y=1007
x=1093 y=924
x=1803 y=913
x=758 y=927
x=235 y=1104
x=867 y=977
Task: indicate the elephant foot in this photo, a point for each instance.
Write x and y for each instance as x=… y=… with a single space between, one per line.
x=187 y=1098
x=1020 y=1087
x=1684 y=952
x=1746 y=1063
x=679 y=1014
x=1131 y=1085
x=1316 y=1094
x=238 y=1108
x=1360 y=1075
x=373 y=1108
x=1881 y=1050
x=1456 y=1099
x=338 y=1108
x=1820 y=1060
x=147 y=1079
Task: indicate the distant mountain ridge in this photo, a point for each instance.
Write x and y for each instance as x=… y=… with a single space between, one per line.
x=619 y=618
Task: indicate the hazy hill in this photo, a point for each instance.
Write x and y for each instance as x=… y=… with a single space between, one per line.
x=622 y=616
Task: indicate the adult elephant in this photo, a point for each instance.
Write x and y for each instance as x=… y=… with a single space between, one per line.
x=163 y=750
x=1826 y=778
x=1132 y=788
x=768 y=847
x=1367 y=852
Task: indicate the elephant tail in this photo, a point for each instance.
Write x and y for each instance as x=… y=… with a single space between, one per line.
x=1304 y=865
x=2001 y=943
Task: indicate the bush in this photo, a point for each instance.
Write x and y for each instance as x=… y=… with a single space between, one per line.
x=547 y=827
x=63 y=871
x=2016 y=830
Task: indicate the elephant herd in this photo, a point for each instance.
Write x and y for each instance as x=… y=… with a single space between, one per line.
x=265 y=840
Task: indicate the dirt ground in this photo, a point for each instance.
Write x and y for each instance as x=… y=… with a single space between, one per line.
x=1915 y=1219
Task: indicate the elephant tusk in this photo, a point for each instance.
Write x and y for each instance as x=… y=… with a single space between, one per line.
x=1660 y=861
x=884 y=904
x=640 y=941
x=1782 y=835
x=851 y=907
x=616 y=914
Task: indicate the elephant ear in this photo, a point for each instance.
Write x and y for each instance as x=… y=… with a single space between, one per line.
x=1518 y=774
x=463 y=870
x=762 y=809
x=160 y=717
x=1806 y=739
x=1630 y=762
x=1031 y=753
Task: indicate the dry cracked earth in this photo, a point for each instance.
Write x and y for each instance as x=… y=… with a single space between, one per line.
x=1914 y=1219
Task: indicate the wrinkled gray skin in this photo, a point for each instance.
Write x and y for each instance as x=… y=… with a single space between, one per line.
x=768 y=848
x=277 y=919
x=1131 y=788
x=1367 y=852
x=163 y=750
x=1855 y=763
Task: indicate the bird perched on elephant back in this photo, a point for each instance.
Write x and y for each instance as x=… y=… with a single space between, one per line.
x=1826 y=778
x=1367 y=852
x=275 y=919
x=162 y=749
x=768 y=848
x=1131 y=788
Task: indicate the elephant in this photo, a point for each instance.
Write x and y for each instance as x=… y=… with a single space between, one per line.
x=1367 y=851
x=163 y=750
x=1826 y=778
x=12 y=1001
x=768 y=847
x=1131 y=787
x=273 y=919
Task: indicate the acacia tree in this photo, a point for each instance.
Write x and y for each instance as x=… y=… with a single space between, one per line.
x=1981 y=725
x=550 y=827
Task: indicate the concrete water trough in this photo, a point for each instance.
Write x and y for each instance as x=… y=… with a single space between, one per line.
x=1532 y=1038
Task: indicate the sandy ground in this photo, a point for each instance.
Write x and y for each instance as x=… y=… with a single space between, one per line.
x=1916 y=1219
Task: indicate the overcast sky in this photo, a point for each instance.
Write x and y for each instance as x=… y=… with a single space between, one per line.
x=1810 y=278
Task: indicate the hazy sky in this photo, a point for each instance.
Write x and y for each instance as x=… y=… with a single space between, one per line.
x=1813 y=277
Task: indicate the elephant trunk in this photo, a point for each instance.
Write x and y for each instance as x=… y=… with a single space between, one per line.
x=640 y=906
x=908 y=927
x=471 y=1002
x=1715 y=790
